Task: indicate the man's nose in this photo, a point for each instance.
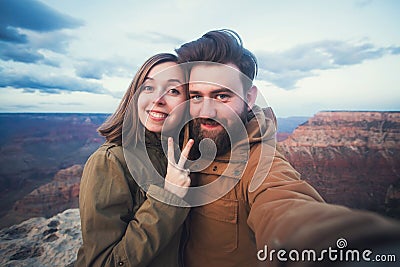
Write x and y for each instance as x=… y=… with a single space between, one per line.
x=207 y=109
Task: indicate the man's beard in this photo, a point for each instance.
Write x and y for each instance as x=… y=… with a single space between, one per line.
x=220 y=137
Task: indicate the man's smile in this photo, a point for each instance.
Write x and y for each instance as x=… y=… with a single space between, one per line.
x=209 y=124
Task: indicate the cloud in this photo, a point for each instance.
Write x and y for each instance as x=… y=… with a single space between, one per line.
x=285 y=68
x=96 y=69
x=156 y=37
x=363 y=3
x=56 y=41
x=20 y=53
x=73 y=103
x=90 y=70
x=45 y=83
x=18 y=107
x=33 y=51
x=26 y=26
x=33 y=15
x=12 y=35
x=395 y=50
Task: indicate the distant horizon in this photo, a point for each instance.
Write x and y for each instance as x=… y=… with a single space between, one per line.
x=107 y=113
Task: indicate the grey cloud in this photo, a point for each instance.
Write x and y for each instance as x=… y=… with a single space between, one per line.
x=395 y=50
x=347 y=54
x=19 y=53
x=285 y=80
x=42 y=23
x=90 y=71
x=30 y=82
x=362 y=3
x=285 y=68
x=53 y=41
x=156 y=37
x=12 y=35
x=34 y=15
x=62 y=103
x=95 y=69
x=29 y=52
x=51 y=62
x=18 y=107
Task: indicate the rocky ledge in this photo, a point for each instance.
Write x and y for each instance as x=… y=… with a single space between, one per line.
x=40 y=242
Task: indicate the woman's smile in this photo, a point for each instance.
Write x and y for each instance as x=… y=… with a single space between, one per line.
x=157 y=115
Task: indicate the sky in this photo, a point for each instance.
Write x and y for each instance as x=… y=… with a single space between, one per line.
x=80 y=56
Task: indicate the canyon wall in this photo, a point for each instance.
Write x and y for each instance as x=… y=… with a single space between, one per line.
x=35 y=146
x=351 y=158
x=49 y=199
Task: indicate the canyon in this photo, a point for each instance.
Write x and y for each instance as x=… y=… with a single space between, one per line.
x=35 y=146
x=351 y=158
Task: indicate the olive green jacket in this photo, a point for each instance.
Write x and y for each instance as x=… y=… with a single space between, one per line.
x=122 y=225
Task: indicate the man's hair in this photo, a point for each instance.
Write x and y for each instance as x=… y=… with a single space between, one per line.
x=220 y=46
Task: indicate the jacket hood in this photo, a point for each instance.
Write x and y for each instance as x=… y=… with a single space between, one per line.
x=262 y=125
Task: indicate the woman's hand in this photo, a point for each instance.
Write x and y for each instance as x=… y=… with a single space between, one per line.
x=177 y=180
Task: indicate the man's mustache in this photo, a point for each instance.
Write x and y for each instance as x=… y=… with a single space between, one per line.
x=205 y=121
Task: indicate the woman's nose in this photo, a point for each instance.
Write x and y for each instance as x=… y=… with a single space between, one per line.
x=159 y=97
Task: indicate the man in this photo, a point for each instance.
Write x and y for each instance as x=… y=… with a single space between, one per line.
x=253 y=217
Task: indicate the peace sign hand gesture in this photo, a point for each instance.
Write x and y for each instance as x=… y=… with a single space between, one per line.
x=177 y=180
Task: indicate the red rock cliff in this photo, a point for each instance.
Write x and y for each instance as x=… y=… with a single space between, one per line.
x=60 y=194
x=351 y=158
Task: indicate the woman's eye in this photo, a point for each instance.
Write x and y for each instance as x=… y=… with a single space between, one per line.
x=147 y=88
x=174 y=91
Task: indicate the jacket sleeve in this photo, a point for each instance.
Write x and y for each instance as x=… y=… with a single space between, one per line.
x=105 y=199
x=287 y=213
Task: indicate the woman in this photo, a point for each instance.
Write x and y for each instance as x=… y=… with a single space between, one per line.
x=121 y=224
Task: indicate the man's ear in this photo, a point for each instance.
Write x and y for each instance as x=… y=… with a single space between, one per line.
x=251 y=96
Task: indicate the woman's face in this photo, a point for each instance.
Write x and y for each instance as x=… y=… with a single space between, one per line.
x=160 y=97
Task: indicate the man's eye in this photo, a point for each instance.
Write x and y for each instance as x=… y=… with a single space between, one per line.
x=195 y=98
x=222 y=97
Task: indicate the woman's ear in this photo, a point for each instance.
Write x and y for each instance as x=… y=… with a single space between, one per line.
x=251 y=97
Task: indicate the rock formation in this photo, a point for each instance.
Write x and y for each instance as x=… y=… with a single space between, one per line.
x=351 y=158
x=56 y=196
x=40 y=242
x=34 y=146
